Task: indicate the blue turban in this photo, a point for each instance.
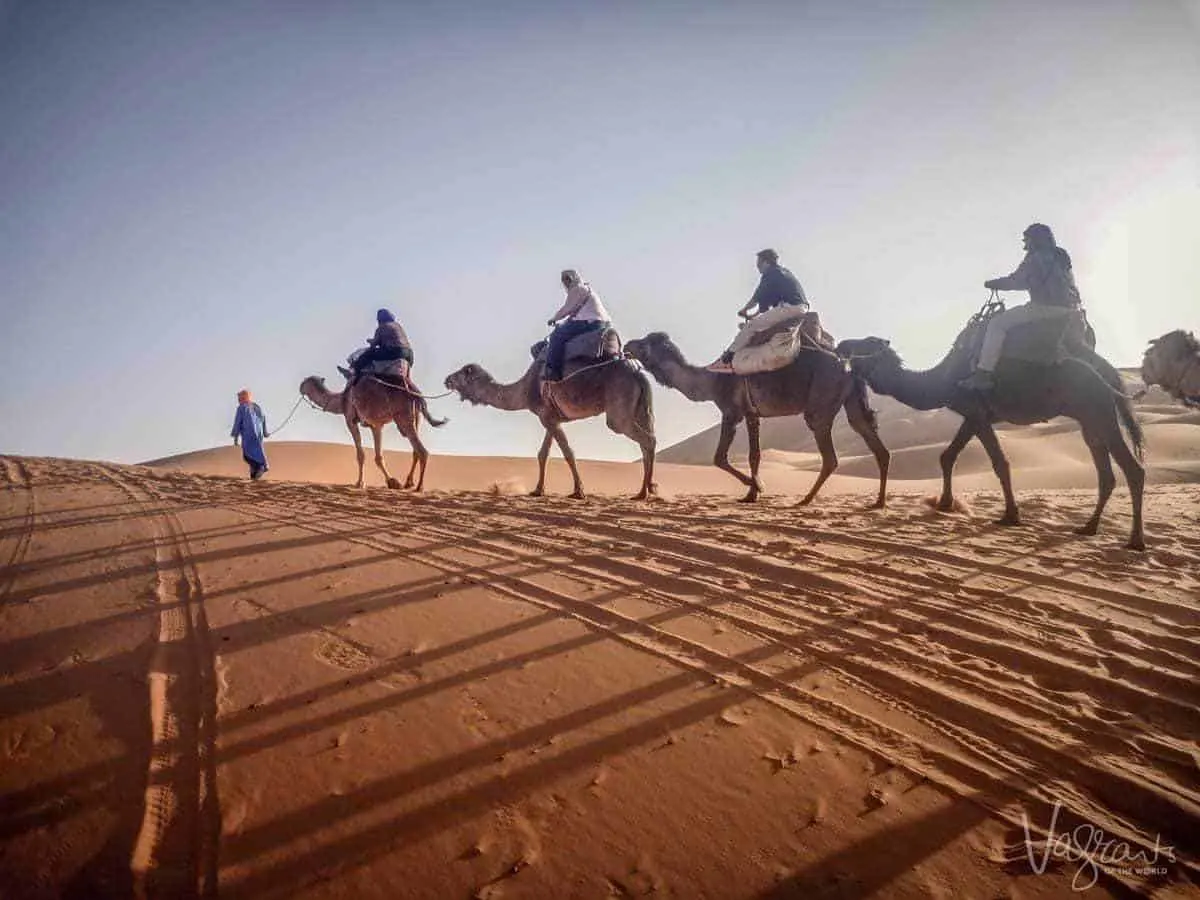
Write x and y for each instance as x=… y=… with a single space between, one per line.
x=384 y=315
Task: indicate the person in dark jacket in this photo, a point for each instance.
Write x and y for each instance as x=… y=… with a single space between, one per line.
x=777 y=300
x=389 y=343
x=1046 y=273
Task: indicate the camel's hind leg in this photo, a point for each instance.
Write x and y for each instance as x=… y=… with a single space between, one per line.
x=1135 y=477
x=638 y=426
x=420 y=456
x=862 y=420
x=377 y=435
x=949 y=457
x=1106 y=479
x=560 y=437
x=822 y=430
x=729 y=425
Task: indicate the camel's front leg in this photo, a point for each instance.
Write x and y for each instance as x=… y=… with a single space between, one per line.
x=729 y=425
x=543 y=455
x=377 y=436
x=991 y=443
x=949 y=457
x=755 y=445
x=356 y=433
x=560 y=437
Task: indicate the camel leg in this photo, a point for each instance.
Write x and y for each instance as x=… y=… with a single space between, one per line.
x=377 y=436
x=543 y=455
x=1107 y=480
x=569 y=455
x=729 y=424
x=420 y=456
x=991 y=443
x=949 y=457
x=639 y=428
x=822 y=430
x=1135 y=477
x=862 y=421
x=356 y=433
x=754 y=442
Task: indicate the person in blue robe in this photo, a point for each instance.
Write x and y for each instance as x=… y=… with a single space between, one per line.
x=250 y=429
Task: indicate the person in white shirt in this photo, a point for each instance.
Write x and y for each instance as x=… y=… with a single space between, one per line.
x=580 y=313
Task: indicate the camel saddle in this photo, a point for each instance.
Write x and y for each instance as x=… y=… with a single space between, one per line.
x=394 y=371
x=1048 y=342
x=591 y=346
x=777 y=347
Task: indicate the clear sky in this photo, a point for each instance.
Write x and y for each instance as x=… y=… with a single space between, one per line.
x=204 y=196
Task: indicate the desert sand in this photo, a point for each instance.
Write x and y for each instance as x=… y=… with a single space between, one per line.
x=292 y=688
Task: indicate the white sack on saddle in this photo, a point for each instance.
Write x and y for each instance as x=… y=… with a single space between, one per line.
x=778 y=351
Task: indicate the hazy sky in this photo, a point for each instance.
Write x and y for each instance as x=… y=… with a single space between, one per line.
x=200 y=197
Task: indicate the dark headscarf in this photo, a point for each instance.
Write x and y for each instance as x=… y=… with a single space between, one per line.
x=383 y=316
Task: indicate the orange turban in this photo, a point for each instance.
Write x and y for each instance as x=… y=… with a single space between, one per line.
x=243 y=396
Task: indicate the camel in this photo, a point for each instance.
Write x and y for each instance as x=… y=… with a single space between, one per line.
x=1083 y=387
x=1173 y=362
x=615 y=388
x=376 y=403
x=816 y=384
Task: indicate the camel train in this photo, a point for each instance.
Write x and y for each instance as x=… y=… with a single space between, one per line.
x=1048 y=367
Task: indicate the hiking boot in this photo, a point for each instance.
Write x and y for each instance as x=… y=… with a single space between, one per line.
x=980 y=380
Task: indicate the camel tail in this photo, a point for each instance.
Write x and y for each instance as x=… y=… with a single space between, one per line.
x=1136 y=436
x=424 y=407
x=1124 y=403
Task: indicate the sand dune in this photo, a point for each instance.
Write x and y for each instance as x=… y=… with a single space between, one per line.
x=285 y=689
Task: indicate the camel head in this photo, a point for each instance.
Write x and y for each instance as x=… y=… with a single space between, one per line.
x=653 y=350
x=313 y=387
x=868 y=355
x=469 y=382
x=1166 y=352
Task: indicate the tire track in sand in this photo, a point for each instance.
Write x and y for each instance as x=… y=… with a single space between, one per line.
x=16 y=474
x=175 y=853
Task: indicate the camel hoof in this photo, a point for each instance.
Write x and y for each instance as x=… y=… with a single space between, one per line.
x=878 y=504
x=537 y=492
x=945 y=504
x=577 y=495
x=1008 y=520
x=1136 y=543
x=394 y=484
x=1087 y=530
x=749 y=498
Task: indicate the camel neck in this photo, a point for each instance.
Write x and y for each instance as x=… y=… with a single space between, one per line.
x=923 y=389
x=693 y=382
x=511 y=397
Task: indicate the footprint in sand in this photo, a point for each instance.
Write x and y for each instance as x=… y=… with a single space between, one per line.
x=342 y=655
